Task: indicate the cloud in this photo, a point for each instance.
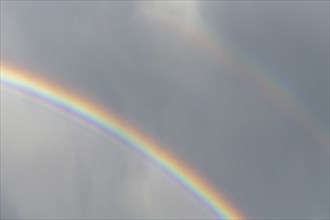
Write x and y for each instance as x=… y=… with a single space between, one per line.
x=166 y=11
x=129 y=57
x=70 y=172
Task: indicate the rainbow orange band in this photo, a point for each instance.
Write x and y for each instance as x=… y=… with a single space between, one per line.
x=113 y=126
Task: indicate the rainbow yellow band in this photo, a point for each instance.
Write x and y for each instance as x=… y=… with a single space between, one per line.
x=112 y=125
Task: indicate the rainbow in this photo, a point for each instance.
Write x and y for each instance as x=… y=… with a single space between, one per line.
x=110 y=124
x=275 y=91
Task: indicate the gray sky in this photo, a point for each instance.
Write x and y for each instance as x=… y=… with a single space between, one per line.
x=131 y=57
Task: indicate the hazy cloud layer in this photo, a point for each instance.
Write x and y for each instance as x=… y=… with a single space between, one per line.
x=57 y=169
x=131 y=58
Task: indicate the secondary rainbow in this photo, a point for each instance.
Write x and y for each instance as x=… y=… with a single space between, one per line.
x=110 y=124
x=274 y=90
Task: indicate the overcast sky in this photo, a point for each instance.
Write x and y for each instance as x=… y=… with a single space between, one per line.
x=159 y=65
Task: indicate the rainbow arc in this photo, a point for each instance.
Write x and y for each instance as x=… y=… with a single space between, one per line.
x=105 y=121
